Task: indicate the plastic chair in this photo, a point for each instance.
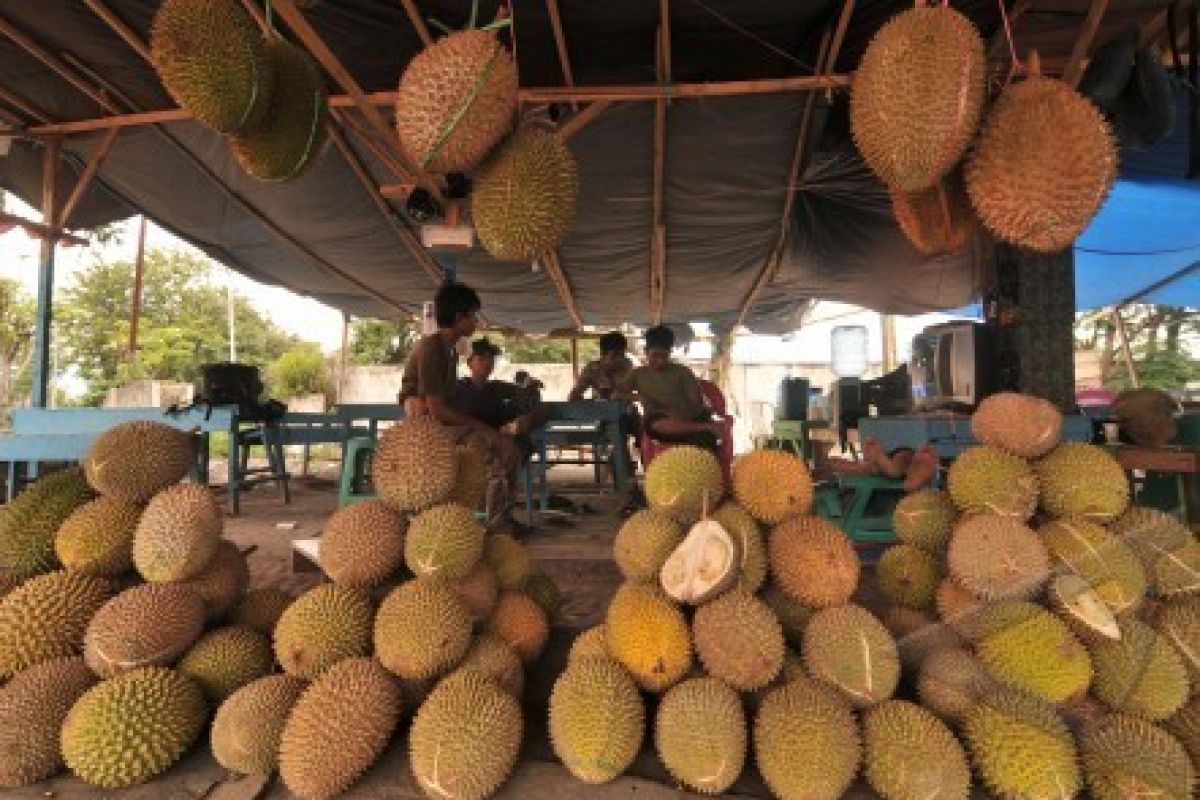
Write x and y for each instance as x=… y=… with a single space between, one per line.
x=714 y=401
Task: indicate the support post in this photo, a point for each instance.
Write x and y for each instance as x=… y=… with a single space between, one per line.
x=1126 y=350
x=575 y=357
x=45 y=298
x=135 y=309
x=341 y=378
x=887 y=324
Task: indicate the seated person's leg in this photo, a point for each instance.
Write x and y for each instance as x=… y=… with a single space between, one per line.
x=676 y=431
x=923 y=469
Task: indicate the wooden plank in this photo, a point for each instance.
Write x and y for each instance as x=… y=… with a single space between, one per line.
x=24 y=106
x=347 y=119
x=88 y=175
x=1083 y=42
x=418 y=22
x=1178 y=460
x=558 y=277
x=803 y=83
x=119 y=27
x=581 y=120
x=53 y=63
x=658 y=241
x=40 y=230
x=560 y=42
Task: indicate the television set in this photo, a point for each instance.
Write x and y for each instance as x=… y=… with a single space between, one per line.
x=952 y=366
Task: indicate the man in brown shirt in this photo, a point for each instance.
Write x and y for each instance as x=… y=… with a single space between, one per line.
x=429 y=384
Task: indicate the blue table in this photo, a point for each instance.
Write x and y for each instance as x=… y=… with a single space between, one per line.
x=599 y=423
x=950 y=435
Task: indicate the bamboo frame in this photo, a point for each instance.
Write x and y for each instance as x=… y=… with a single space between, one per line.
x=581 y=120
x=22 y=105
x=1083 y=43
x=560 y=43
x=353 y=125
x=1126 y=349
x=119 y=27
x=88 y=176
x=50 y=61
x=658 y=241
x=558 y=276
x=41 y=230
x=418 y=22
x=51 y=163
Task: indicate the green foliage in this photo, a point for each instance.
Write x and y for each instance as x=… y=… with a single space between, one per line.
x=376 y=341
x=1163 y=340
x=301 y=371
x=17 y=311
x=528 y=350
x=183 y=323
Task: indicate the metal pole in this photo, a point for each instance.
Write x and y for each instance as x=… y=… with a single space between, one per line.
x=232 y=328
x=887 y=324
x=575 y=357
x=45 y=300
x=1126 y=351
x=341 y=379
x=135 y=310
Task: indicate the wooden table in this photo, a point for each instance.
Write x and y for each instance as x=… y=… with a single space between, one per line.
x=1182 y=461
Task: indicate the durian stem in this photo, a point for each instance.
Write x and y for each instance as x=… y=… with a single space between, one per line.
x=1033 y=64
x=474 y=14
x=498 y=24
x=1015 y=63
x=441 y=26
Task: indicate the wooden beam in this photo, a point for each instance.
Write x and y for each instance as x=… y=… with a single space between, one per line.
x=135 y=308
x=51 y=157
x=1083 y=42
x=316 y=46
x=658 y=234
x=560 y=42
x=354 y=125
x=24 y=106
x=581 y=120
x=39 y=229
x=664 y=42
x=88 y=175
x=558 y=277
x=406 y=236
x=120 y=28
x=418 y=22
x=52 y=62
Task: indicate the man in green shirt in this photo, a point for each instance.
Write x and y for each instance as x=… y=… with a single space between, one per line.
x=671 y=396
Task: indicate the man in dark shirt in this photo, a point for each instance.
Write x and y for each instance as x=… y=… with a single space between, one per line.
x=498 y=404
x=429 y=386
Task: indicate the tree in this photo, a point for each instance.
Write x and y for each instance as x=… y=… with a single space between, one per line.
x=376 y=341
x=302 y=370
x=17 y=312
x=183 y=323
x=519 y=349
x=1158 y=337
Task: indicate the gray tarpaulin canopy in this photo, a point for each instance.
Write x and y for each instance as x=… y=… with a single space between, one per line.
x=726 y=160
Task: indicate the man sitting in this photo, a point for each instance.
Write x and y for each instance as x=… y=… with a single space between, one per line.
x=430 y=384
x=500 y=405
x=671 y=396
x=603 y=375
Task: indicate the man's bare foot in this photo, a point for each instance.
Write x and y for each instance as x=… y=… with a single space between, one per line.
x=874 y=454
x=923 y=470
x=844 y=466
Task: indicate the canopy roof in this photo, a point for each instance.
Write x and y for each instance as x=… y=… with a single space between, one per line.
x=709 y=174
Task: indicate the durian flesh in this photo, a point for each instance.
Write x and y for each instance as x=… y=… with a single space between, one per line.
x=705 y=564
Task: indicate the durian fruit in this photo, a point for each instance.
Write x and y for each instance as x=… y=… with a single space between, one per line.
x=150 y=625
x=1177 y=573
x=128 y=729
x=792 y=614
x=952 y=682
x=987 y=480
x=998 y=558
x=415 y=464
x=1021 y=747
x=1178 y=620
x=806 y=742
x=1184 y=725
x=959 y=608
x=363 y=544
x=33 y=706
x=490 y=655
x=1150 y=533
x=1141 y=673
x=323 y=626
x=848 y=648
x=1125 y=756
x=1146 y=416
x=917 y=96
x=937 y=220
x=479 y=590
x=1100 y=558
x=524 y=199
x=249 y=724
x=510 y=560
x=909 y=576
x=1083 y=481
x=443 y=542
x=705 y=564
x=1078 y=604
x=222 y=583
x=470 y=489
x=649 y=636
x=745 y=531
x=522 y=623
x=457 y=101
x=911 y=755
x=465 y=738
x=177 y=534
x=261 y=609
x=592 y=643
x=643 y=544
x=1021 y=424
x=544 y=591
x=1042 y=165
x=136 y=460
x=98 y=537
x=700 y=734
x=813 y=561
x=597 y=719
x=338 y=728
x=739 y=640
x=45 y=618
x=925 y=519
x=8 y=583
x=226 y=659
x=683 y=482
x=422 y=630
x=772 y=485
x=917 y=635
x=292 y=130
x=212 y=60
x=1036 y=651
x=30 y=522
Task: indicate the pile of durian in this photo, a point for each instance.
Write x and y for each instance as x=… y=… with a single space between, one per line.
x=455 y=112
x=1039 y=637
x=126 y=627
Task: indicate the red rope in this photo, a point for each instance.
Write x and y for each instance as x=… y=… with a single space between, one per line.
x=1014 y=64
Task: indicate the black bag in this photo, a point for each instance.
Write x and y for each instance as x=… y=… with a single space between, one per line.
x=229 y=384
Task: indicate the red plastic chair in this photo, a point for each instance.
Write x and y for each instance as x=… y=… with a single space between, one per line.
x=714 y=401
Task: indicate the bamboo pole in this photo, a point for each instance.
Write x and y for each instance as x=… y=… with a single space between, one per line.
x=24 y=106
x=1126 y=350
x=418 y=22
x=135 y=311
x=1083 y=42
x=89 y=174
x=45 y=296
x=560 y=43
x=581 y=120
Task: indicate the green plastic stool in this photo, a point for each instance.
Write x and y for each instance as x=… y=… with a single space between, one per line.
x=356 y=460
x=858 y=515
x=790 y=436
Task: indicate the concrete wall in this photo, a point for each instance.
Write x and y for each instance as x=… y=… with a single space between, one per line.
x=149 y=394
